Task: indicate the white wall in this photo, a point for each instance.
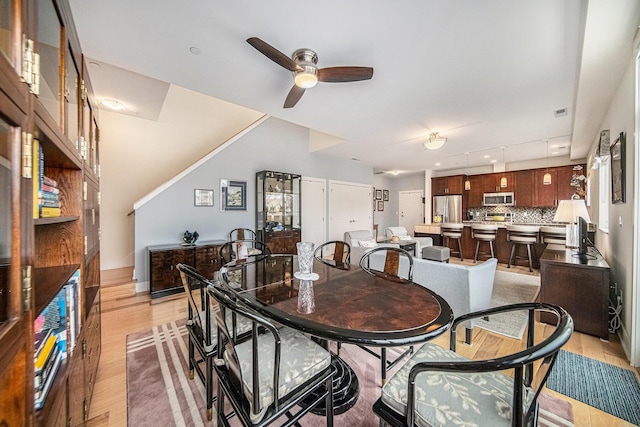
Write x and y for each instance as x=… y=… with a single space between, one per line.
x=273 y=145
x=617 y=246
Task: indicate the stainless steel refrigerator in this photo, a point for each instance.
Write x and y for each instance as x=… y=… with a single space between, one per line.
x=447 y=208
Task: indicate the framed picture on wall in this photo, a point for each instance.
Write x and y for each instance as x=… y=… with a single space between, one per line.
x=381 y=206
x=385 y=195
x=202 y=197
x=618 y=183
x=233 y=195
x=378 y=194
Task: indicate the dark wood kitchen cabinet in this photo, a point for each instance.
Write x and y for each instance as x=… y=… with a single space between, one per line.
x=447 y=185
x=523 y=191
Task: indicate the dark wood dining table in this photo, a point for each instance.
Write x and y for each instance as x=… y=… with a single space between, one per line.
x=351 y=306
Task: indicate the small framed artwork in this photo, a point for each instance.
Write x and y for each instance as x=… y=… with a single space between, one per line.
x=381 y=206
x=233 y=195
x=618 y=181
x=378 y=194
x=385 y=195
x=202 y=197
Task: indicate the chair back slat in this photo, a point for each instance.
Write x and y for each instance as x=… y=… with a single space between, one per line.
x=392 y=261
x=193 y=282
x=334 y=252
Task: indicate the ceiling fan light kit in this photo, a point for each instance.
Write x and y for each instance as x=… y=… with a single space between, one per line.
x=434 y=142
x=305 y=71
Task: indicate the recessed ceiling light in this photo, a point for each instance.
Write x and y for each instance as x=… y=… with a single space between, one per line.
x=195 y=50
x=438 y=164
x=555 y=152
x=494 y=161
x=113 y=104
x=486 y=156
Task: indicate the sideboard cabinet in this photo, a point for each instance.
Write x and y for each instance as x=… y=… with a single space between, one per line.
x=164 y=277
x=49 y=219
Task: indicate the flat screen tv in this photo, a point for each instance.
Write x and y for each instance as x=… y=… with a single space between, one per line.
x=582 y=237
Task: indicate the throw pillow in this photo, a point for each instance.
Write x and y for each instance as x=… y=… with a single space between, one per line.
x=368 y=243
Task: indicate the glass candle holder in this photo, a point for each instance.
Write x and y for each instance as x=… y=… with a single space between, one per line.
x=305 y=257
x=306 y=299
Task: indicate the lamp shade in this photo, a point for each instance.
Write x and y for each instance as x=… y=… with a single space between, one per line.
x=434 y=142
x=569 y=211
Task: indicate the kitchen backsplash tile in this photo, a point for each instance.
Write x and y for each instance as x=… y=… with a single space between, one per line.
x=519 y=215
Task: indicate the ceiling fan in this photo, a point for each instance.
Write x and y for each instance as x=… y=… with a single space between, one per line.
x=306 y=73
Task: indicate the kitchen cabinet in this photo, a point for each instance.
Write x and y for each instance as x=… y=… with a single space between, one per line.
x=492 y=182
x=523 y=189
x=447 y=185
x=559 y=189
x=473 y=196
x=564 y=174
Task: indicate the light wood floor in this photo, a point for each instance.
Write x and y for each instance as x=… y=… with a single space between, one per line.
x=125 y=312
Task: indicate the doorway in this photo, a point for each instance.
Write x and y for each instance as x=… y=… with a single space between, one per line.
x=314 y=208
x=410 y=209
x=350 y=208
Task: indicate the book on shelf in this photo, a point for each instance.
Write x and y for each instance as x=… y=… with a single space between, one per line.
x=48 y=212
x=48 y=195
x=40 y=377
x=47 y=203
x=43 y=356
x=73 y=323
x=49 y=181
x=36 y=176
x=50 y=189
x=41 y=395
x=41 y=338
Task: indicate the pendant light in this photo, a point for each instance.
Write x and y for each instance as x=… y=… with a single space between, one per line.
x=546 y=179
x=467 y=183
x=503 y=180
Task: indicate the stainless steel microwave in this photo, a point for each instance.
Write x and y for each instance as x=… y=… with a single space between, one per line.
x=498 y=199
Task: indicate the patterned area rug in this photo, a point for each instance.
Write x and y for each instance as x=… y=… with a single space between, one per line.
x=160 y=393
x=511 y=288
x=604 y=386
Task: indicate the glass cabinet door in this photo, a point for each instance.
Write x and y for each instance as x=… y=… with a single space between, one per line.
x=6 y=217
x=49 y=36
x=7 y=46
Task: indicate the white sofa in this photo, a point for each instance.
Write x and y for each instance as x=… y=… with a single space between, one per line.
x=402 y=233
x=362 y=241
x=465 y=288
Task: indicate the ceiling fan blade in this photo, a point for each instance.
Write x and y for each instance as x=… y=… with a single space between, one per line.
x=294 y=96
x=273 y=54
x=344 y=74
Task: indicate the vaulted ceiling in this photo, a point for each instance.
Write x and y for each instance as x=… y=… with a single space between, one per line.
x=488 y=75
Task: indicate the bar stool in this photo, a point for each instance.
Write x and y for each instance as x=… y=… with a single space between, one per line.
x=555 y=237
x=452 y=231
x=484 y=233
x=522 y=235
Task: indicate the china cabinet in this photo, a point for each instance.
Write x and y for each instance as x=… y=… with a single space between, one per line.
x=49 y=236
x=278 y=210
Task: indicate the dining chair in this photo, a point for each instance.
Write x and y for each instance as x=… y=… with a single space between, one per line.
x=267 y=374
x=242 y=249
x=437 y=383
x=242 y=234
x=392 y=265
x=335 y=252
x=201 y=326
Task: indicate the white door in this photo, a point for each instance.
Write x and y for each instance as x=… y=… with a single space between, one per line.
x=314 y=208
x=410 y=209
x=350 y=208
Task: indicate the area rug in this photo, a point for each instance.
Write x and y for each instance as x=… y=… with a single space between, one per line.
x=610 y=388
x=511 y=288
x=160 y=393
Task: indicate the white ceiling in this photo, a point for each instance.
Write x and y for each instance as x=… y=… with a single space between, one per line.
x=485 y=74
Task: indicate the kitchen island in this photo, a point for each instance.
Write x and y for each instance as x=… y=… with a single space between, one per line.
x=501 y=245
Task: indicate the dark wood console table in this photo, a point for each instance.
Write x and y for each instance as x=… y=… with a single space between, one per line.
x=579 y=286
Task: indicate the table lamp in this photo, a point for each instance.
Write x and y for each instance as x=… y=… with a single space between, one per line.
x=568 y=212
